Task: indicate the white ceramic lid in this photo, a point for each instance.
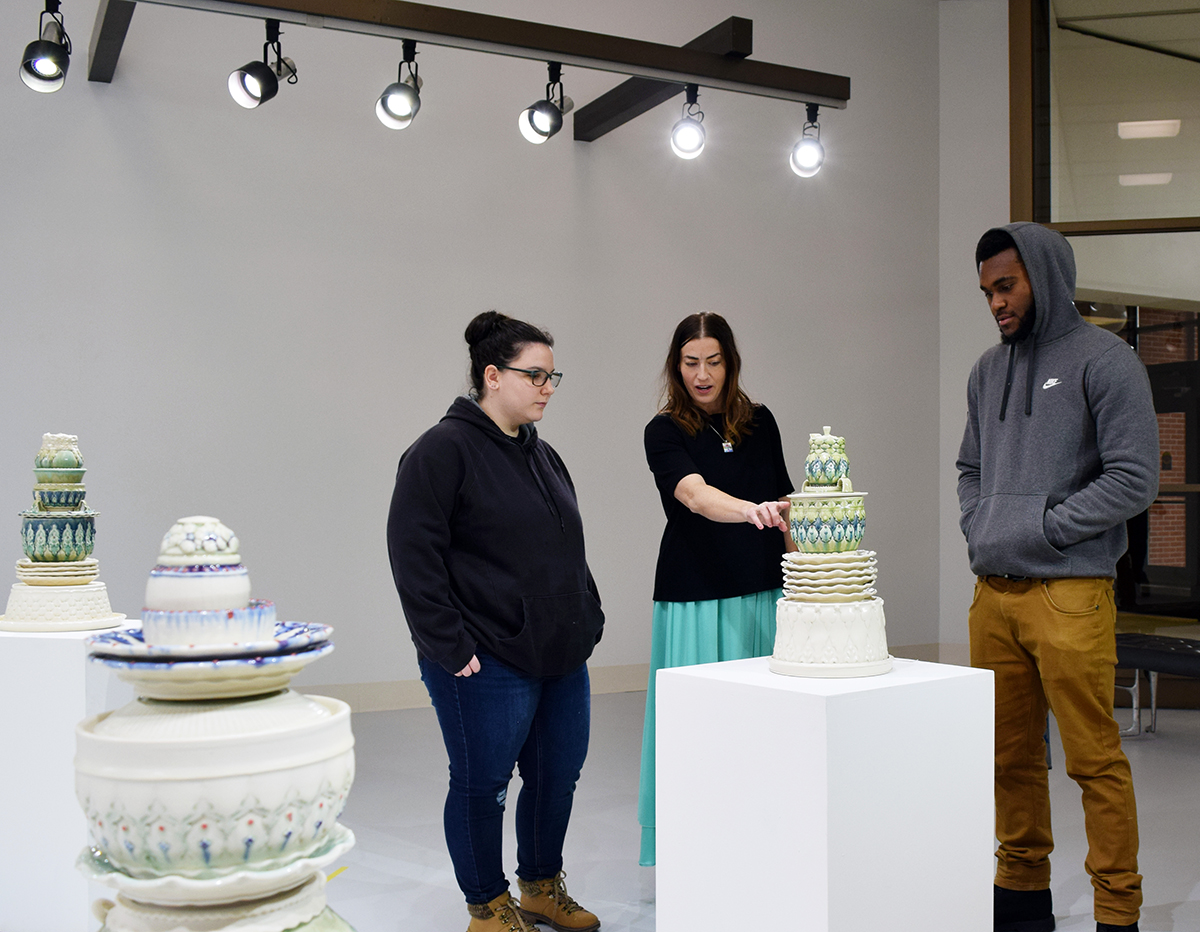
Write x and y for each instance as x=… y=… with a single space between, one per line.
x=198 y=540
x=155 y=740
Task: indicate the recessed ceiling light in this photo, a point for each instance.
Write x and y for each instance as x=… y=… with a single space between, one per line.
x=1130 y=181
x=1148 y=129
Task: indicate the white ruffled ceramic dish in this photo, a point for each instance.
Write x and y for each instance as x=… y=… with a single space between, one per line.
x=236 y=885
x=129 y=643
x=214 y=679
x=829 y=573
x=291 y=909
x=850 y=558
x=833 y=588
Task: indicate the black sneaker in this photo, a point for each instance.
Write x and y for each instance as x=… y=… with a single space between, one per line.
x=1022 y=910
x=1109 y=927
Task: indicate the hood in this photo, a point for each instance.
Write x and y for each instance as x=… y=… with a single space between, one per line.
x=1050 y=264
x=465 y=408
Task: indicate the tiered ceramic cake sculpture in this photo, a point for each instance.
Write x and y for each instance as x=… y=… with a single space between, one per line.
x=212 y=800
x=57 y=588
x=829 y=621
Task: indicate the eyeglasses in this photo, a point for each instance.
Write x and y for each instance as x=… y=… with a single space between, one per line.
x=537 y=376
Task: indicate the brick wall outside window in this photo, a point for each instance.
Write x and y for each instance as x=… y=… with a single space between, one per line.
x=1168 y=530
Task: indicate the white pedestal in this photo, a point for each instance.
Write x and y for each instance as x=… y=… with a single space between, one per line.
x=47 y=686
x=824 y=805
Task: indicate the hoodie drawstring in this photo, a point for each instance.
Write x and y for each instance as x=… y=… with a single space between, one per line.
x=1008 y=379
x=1029 y=376
x=1012 y=353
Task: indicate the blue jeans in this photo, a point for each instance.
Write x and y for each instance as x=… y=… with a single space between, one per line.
x=490 y=721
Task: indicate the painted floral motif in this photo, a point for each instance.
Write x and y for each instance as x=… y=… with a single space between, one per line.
x=206 y=840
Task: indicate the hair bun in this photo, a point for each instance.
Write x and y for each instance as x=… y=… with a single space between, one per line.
x=482 y=326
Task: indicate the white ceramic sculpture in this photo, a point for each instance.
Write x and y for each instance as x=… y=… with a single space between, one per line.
x=212 y=800
x=57 y=588
x=830 y=621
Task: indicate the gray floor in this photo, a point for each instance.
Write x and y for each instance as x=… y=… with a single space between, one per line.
x=399 y=875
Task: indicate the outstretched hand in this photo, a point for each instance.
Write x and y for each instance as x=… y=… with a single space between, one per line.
x=767 y=514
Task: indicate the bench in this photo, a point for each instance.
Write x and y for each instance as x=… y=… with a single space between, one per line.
x=1156 y=654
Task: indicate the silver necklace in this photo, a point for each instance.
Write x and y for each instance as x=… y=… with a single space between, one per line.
x=726 y=445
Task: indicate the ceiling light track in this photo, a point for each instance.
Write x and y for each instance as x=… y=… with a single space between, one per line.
x=431 y=25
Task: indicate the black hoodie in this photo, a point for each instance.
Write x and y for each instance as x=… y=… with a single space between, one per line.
x=486 y=545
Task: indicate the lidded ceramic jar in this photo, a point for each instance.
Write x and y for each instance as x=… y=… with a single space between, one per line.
x=205 y=788
x=827 y=515
x=826 y=462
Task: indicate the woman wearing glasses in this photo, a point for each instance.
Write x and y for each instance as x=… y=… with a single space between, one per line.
x=486 y=545
x=717 y=460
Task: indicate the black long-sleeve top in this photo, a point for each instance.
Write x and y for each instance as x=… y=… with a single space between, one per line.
x=699 y=559
x=486 y=546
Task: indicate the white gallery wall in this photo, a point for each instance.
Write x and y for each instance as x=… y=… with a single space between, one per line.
x=251 y=314
x=974 y=191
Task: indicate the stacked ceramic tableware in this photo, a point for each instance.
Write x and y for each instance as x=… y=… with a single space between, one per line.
x=212 y=800
x=57 y=588
x=830 y=621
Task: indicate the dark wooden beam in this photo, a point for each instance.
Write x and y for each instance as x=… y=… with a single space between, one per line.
x=108 y=37
x=481 y=32
x=733 y=38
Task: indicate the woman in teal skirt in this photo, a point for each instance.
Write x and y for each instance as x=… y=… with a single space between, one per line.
x=717 y=460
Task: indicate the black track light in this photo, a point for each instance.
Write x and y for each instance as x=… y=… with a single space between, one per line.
x=687 y=136
x=808 y=155
x=543 y=118
x=399 y=102
x=44 y=66
x=257 y=82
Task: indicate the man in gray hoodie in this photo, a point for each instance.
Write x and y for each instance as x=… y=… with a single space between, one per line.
x=1060 y=449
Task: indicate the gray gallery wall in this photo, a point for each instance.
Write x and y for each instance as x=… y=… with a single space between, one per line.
x=252 y=313
x=974 y=164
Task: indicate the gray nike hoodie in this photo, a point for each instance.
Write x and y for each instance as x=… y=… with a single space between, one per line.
x=1061 y=443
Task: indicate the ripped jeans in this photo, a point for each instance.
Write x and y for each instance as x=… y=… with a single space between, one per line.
x=490 y=721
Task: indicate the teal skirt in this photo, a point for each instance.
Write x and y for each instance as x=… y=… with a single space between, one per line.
x=686 y=633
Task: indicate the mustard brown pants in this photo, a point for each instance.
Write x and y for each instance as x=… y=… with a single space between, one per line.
x=1051 y=644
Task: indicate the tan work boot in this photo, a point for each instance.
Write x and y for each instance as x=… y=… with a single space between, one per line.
x=500 y=915
x=548 y=901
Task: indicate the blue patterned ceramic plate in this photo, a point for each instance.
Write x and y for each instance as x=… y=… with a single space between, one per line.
x=218 y=678
x=128 y=643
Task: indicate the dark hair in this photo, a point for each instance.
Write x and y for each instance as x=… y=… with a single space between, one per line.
x=992 y=243
x=735 y=403
x=496 y=340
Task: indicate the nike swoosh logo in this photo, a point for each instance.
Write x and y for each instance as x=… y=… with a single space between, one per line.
x=1050 y=383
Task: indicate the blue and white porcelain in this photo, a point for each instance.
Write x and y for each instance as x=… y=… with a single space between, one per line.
x=223 y=678
x=253 y=624
x=130 y=644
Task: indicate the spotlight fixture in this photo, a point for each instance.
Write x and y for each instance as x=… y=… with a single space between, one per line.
x=543 y=118
x=399 y=102
x=687 y=136
x=257 y=82
x=808 y=154
x=44 y=67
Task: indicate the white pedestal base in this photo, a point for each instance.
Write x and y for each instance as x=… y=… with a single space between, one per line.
x=827 y=805
x=47 y=686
